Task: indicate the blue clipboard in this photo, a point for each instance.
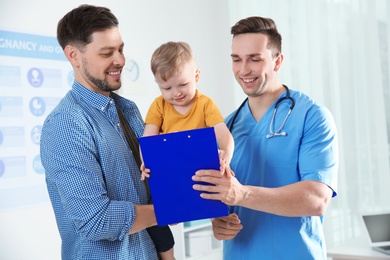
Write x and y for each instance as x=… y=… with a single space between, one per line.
x=173 y=159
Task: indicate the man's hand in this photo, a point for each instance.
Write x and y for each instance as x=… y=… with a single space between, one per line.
x=226 y=228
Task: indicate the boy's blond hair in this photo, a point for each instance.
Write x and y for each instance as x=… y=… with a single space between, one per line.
x=167 y=59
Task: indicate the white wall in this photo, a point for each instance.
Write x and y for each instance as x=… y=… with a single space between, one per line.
x=28 y=230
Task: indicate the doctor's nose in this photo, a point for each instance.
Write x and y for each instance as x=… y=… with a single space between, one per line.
x=244 y=68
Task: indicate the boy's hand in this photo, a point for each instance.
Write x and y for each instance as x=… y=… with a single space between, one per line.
x=224 y=167
x=229 y=171
x=145 y=172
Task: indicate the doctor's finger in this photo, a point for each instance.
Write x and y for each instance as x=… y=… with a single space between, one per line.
x=205 y=188
x=211 y=173
x=219 y=180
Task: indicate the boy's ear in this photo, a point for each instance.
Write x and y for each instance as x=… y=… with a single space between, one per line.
x=73 y=55
x=197 y=75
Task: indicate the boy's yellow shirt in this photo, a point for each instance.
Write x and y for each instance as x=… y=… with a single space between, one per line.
x=203 y=113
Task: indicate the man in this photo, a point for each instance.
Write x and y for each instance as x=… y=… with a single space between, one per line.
x=285 y=163
x=92 y=176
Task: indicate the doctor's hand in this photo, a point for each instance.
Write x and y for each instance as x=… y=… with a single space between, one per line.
x=226 y=228
x=225 y=188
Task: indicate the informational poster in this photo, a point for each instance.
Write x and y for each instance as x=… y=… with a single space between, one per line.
x=34 y=76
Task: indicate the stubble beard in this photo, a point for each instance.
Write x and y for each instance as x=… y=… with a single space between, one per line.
x=100 y=84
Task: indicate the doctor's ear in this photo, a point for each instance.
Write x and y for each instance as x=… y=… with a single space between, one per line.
x=197 y=75
x=278 y=62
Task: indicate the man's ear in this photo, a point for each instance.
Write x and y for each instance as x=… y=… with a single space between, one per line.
x=197 y=75
x=73 y=55
x=278 y=62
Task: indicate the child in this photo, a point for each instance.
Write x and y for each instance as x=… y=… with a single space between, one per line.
x=182 y=107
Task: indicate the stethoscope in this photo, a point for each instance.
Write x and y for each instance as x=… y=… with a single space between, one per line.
x=272 y=133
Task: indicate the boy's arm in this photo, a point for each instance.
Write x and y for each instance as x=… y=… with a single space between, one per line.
x=151 y=130
x=225 y=141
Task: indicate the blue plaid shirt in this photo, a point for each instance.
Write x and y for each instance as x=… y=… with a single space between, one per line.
x=92 y=178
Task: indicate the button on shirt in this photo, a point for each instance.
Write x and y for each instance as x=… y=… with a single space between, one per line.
x=92 y=178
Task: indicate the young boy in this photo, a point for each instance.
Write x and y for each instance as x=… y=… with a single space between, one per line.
x=180 y=106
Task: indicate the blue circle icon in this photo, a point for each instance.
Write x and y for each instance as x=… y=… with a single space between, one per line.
x=37 y=106
x=35 y=77
x=37 y=165
x=2 y=168
x=36 y=134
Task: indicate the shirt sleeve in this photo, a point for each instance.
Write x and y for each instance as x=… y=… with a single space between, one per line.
x=76 y=183
x=155 y=113
x=212 y=114
x=318 y=155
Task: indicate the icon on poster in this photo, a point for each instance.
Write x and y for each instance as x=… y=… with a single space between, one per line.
x=37 y=106
x=37 y=165
x=2 y=168
x=36 y=134
x=35 y=77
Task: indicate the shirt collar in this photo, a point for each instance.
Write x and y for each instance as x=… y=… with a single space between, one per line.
x=94 y=99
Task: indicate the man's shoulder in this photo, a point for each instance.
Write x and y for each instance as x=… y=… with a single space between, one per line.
x=69 y=108
x=67 y=103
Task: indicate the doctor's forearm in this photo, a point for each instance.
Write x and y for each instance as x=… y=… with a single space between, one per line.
x=307 y=198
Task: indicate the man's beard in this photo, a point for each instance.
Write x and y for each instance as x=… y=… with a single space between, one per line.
x=100 y=84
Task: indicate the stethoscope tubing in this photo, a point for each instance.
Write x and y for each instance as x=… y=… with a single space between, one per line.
x=279 y=132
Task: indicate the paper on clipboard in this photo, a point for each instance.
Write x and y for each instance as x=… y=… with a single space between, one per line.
x=173 y=159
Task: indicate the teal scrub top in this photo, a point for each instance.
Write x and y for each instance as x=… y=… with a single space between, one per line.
x=308 y=152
